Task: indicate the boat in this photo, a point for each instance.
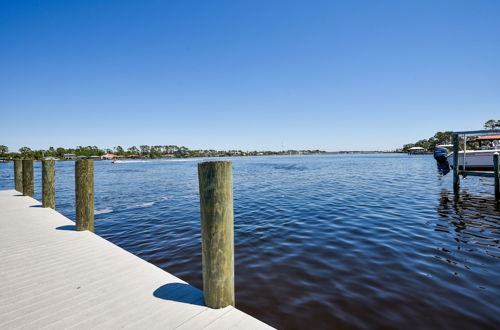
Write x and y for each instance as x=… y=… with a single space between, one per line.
x=478 y=159
x=130 y=161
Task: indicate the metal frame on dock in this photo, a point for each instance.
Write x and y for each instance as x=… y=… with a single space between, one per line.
x=456 y=170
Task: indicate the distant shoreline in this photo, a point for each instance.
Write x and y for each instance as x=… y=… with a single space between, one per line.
x=351 y=152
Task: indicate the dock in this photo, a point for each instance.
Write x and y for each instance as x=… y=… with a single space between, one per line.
x=54 y=277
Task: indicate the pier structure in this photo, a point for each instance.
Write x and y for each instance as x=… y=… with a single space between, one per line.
x=463 y=170
x=58 y=274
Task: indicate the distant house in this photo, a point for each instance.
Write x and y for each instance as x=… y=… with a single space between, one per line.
x=416 y=151
x=94 y=157
x=109 y=156
x=69 y=156
x=81 y=157
x=51 y=158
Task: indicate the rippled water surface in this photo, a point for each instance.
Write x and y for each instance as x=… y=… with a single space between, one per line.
x=364 y=241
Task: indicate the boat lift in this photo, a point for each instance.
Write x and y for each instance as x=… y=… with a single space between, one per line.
x=464 y=172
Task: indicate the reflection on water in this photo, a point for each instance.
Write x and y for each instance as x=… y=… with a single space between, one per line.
x=472 y=219
x=344 y=241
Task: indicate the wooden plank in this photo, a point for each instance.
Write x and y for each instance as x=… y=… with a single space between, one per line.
x=76 y=279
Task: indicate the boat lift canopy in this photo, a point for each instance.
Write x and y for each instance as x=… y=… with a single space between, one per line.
x=482 y=132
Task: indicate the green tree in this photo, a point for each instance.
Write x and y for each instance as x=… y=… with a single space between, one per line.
x=492 y=124
x=51 y=152
x=119 y=150
x=60 y=152
x=155 y=151
x=3 y=150
x=25 y=151
x=144 y=149
x=133 y=150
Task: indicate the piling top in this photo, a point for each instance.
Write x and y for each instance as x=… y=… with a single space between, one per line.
x=69 y=278
x=215 y=162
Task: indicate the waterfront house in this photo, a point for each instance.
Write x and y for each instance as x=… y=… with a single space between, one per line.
x=109 y=156
x=69 y=156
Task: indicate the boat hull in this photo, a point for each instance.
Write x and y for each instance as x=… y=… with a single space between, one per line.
x=478 y=160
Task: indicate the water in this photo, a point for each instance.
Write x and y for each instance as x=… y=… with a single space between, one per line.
x=343 y=241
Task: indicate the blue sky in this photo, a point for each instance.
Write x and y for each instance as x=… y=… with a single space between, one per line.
x=333 y=75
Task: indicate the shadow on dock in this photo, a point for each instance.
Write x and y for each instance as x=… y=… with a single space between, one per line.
x=35 y=205
x=68 y=227
x=180 y=292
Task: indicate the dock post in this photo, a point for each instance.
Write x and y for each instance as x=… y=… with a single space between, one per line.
x=497 y=176
x=84 y=193
x=217 y=231
x=28 y=180
x=18 y=175
x=456 y=178
x=48 y=184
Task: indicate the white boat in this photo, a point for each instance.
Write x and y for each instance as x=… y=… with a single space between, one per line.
x=476 y=160
x=130 y=161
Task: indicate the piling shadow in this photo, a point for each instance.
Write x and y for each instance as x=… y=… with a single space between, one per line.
x=180 y=292
x=18 y=195
x=68 y=227
x=35 y=205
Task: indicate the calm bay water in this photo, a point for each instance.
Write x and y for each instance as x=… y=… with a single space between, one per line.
x=342 y=241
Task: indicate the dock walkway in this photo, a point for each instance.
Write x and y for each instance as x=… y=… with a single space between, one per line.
x=52 y=277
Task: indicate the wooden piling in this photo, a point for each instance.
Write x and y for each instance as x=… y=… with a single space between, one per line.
x=49 y=184
x=217 y=229
x=497 y=176
x=456 y=178
x=18 y=175
x=84 y=193
x=28 y=178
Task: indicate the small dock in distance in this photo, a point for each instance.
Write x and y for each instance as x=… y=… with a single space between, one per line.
x=53 y=277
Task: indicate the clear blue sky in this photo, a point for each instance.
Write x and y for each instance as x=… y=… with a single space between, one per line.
x=247 y=75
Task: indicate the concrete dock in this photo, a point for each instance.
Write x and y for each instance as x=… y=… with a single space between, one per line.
x=53 y=277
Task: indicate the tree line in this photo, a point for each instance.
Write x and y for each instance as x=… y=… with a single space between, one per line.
x=432 y=142
x=143 y=151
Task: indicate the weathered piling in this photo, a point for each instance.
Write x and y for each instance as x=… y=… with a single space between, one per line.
x=496 y=172
x=28 y=178
x=456 y=178
x=49 y=184
x=84 y=193
x=217 y=229
x=18 y=175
